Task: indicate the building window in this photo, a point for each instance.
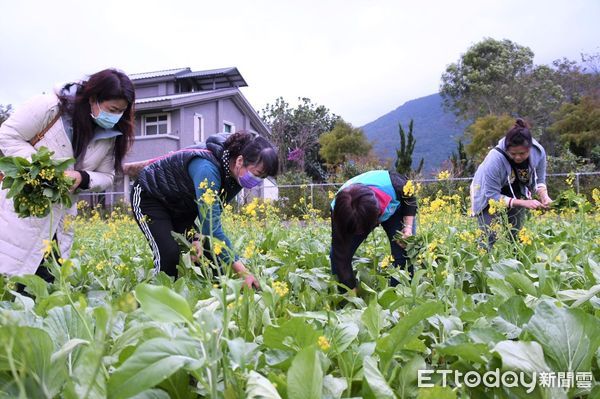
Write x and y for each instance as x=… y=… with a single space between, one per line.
x=228 y=127
x=198 y=128
x=156 y=124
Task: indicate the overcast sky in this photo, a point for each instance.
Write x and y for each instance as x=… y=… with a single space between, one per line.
x=359 y=58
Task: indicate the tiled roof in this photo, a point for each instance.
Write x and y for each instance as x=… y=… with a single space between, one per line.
x=180 y=95
x=219 y=71
x=155 y=74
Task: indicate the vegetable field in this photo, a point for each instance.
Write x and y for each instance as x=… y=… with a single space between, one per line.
x=108 y=328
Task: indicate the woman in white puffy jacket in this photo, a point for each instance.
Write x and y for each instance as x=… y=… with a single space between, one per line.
x=91 y=121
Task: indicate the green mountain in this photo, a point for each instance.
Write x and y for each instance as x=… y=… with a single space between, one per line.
x=435 y=130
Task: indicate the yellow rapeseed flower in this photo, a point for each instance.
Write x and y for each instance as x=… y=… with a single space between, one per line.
x=250 y=249
x=495 y=206
x=280 y=288
x=443 y=175
x=218 y=248
x=596 y=196
x=524 y=237
x=570 y=179
x=323 y=343
x=208 y=197
x=47 y=247
x=331 y=195
x=409 y=189
x=386 y=261
x=204 y=184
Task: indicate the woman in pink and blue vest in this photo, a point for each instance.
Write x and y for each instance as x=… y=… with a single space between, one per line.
x=362 y=203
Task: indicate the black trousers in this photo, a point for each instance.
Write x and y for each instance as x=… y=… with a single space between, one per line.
x=391 y=226
x=157 y=221
x=515 y=216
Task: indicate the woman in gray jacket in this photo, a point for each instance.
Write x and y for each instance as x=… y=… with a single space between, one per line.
x=91 y=121
x=509 y=174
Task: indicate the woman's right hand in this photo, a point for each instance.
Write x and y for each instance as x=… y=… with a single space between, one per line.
x=249 y=280
x=530 y=204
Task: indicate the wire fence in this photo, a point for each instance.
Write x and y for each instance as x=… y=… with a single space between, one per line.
x=288 y=197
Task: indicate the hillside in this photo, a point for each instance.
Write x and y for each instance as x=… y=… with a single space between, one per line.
x=436 y=131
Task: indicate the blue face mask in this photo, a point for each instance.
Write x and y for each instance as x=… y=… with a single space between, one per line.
x=105 y=119
x=248 y=180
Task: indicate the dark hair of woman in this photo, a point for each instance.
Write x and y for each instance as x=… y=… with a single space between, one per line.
x=254 y=149
x=519 y=135
x=109 y=84
x=356 y=210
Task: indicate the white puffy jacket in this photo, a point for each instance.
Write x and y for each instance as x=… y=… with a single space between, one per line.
x=21 y=239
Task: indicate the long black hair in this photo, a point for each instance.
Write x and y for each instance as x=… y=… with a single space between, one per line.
x=108 y=84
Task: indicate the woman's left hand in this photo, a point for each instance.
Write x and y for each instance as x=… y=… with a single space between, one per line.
x=75 y=175
x=546 y=200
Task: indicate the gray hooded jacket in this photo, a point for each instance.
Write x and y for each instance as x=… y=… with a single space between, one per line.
x=495 y=172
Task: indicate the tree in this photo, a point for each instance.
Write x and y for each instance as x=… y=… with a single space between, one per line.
x=498 y=77
x=485 y=79
x=405 y=152
x=484 y=134
x=460 y=163
x=342 y=142
x=296 y=132
x=578 y=125
x=5 y=112
x=578 y=79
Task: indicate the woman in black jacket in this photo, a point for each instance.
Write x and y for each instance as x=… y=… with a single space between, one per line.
x=172 y=191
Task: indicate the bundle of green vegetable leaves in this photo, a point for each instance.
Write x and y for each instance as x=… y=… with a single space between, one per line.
x=38 y=184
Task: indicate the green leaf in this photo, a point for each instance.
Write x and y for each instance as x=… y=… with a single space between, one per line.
x=578 y=296
x=333 y=388
x=512 y=316
x=522 y=356
x=67 y=349
x=461 y=346
x=522 y=282
x=302 y=334
x=343 y=335
x=88 y=379
x=501 y=288
x=64 y=323
x=163 y=304
x=407 y=379
x=34 y=285
x=31 y=349
x=436 y=392
x=48 y=192
x=305 y=376
x=375 y=379
x=15 y=188
x=515 y=311
x=569 y=337
x=241 y=353
x=401 y=333
x=152 y=394
x=372 y=319
x=259 y=387
x=151 y=363
x=9 y=167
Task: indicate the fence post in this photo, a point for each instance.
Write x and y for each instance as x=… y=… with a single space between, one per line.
x=577 y=182
x=312 y=196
